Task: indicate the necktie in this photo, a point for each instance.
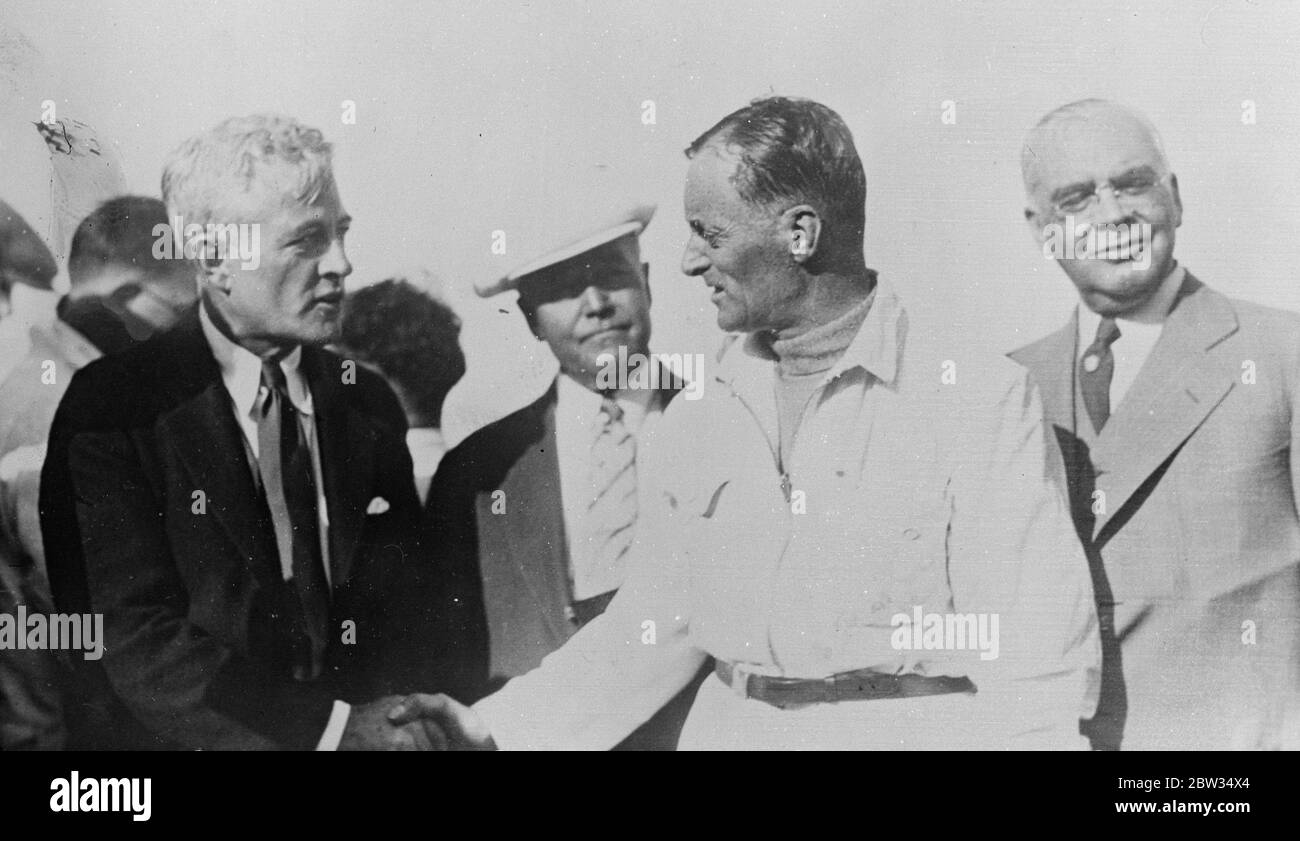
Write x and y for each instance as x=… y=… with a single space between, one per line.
x=285 y=462
x=611 y=516
x=1096 y=369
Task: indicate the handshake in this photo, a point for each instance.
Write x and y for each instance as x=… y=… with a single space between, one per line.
x=415 y=722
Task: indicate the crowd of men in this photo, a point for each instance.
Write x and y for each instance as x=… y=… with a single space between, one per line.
x=239 y=466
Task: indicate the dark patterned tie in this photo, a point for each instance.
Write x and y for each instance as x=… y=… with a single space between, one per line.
x=1096 y=370
x=285 y=462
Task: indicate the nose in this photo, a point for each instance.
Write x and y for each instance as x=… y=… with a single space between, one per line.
x=595 y=300
x=694 y=263
x=335 y=262
x=1108 y=208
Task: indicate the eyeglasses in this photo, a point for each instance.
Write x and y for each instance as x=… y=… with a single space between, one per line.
x=1127 y=189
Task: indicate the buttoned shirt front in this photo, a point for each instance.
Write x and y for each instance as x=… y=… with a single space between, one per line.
x=918 y=480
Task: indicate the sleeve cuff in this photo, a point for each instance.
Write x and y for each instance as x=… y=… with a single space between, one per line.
x=494 y=710
x=334 y=728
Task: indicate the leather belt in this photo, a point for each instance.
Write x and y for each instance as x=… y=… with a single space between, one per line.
x=860 y=685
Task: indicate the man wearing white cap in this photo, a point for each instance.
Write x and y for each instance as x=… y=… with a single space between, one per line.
x=544 y=503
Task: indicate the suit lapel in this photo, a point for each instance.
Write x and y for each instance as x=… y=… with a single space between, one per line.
x=1051 y=361
x=539 y=545
x=1178 y=386
x=348 y=444
x=210 y=446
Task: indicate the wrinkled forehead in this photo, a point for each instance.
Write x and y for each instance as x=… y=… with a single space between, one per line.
x=1089 y=146
x=711 y=175
x=279 y=191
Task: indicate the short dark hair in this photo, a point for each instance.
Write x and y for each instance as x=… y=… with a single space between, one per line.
x=120 y=232
x=794 y=149
x=411 y=337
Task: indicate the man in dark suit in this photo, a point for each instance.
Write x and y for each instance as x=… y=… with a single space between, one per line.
x=120 y=295
x=1177 y=412
x=235 y=501
x=543 y=503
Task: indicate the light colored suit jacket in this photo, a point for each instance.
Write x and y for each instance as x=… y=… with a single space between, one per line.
x=1187 y=504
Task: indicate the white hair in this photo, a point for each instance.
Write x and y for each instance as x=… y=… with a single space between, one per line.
x=203 y=174
x=1081 y=110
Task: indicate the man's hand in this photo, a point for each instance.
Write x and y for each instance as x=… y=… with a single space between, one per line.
x=445 y=720
x=369 y=728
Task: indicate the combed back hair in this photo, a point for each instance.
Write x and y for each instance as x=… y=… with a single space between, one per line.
x=1082 y=110
x=410 y=336
x=792 y=151
x=206 y=171
x=120 y=232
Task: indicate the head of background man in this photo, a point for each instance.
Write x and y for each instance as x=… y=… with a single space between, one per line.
x=590 y=305
x=272 y=177
x=121 y=291
x=1100 y=164
x=776 y=202
x=412 y=339
x=24 y=257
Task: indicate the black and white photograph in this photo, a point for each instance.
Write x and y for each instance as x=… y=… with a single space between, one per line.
x=650 y=376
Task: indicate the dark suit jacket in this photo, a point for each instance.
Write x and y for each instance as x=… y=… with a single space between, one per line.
x=189 y=584
x=1195 y=543
x=519 y=552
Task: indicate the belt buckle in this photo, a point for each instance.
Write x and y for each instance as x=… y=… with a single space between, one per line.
x=740 y=680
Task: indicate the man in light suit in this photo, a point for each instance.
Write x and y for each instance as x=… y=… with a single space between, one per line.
x=1177 y=412
x=531 y=501
x=237 y=502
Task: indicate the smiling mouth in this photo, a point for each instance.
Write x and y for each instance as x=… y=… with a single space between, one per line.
x=606 y=331
x=1127 y=252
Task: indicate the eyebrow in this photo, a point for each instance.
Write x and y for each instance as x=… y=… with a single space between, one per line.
x=310 y=224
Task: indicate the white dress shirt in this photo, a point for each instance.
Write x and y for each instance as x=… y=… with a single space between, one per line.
x=577 y=417
x=427 y=447
x=241 y=372
x=1137 y=335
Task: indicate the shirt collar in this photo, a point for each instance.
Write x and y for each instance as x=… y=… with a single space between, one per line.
x=1164 y=298
x=875 y=348
x=580 y=404
x=241 y=370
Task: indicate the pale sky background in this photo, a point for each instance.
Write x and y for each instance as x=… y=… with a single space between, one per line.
x=464 y=109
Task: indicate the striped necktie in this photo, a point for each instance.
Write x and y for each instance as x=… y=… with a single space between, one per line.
x=611 y=515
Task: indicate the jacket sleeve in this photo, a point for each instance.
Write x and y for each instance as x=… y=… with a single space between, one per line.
x=176 y=679
x=623 y=666
x=1013 y=553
